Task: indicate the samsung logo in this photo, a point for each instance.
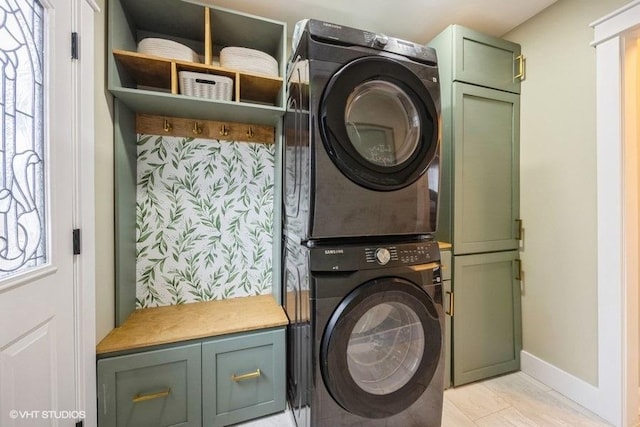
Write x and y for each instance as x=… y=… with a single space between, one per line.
x=326 y=24
x=333 y=251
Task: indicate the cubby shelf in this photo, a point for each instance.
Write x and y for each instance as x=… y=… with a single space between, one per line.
x=162 y=73
x=149 y=84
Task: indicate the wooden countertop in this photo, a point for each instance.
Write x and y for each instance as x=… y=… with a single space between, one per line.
x=444 y=246
x=163 y=325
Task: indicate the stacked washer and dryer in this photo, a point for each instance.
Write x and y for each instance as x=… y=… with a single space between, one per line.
x=361 y=268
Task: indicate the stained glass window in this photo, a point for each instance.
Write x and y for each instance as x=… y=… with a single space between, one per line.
x=22 y=172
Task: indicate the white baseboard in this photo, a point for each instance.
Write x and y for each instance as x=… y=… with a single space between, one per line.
x=563 y=382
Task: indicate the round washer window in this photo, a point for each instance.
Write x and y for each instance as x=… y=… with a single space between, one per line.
x=382 y=123
x=381 y=347
x=385 y=348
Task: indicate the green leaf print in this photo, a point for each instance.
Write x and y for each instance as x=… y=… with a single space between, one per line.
x=204 y=221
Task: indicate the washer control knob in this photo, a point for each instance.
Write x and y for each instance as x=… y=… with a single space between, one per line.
x=383 y=256
x=381 y=40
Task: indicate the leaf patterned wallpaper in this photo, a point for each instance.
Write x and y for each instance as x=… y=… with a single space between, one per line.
x=204 y=220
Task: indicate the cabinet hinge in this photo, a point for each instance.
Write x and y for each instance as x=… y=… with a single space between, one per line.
x=519 y=272
x=449 y=311
x=76 y=241
x=74 y=45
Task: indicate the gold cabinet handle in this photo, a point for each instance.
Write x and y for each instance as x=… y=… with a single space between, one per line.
x=450 y=311
x=247 y=376
x=519 y=272
x=520 y=75
x=519 y=229
x=157 y=395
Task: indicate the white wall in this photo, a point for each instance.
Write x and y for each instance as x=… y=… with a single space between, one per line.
x=105 y=298
x=558 y=185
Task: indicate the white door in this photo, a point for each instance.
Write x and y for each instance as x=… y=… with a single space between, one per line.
x=38 y=380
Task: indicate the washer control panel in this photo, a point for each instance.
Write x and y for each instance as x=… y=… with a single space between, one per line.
x=364 y=257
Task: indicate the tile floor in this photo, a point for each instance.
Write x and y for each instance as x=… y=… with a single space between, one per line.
x=514 y=400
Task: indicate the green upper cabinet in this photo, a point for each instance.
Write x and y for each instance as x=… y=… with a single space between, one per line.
x=486 y=173
x=487 y=332
x=479 y=194
x=479 y=59
x=150 y=84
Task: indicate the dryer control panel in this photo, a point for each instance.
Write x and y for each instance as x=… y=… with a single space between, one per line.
x=363 y=257
x=340 y=34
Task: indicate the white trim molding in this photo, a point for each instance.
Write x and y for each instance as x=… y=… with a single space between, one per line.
x=564 y=383
x=617 y=273
x=84 y=209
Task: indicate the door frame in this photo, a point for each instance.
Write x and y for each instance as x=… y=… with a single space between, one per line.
x=83 y=17
x=616 y=41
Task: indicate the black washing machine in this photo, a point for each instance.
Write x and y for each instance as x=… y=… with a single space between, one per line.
x=361 y=131
x=365 y=343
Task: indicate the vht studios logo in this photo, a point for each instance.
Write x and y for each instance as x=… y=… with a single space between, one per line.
x=44 y=415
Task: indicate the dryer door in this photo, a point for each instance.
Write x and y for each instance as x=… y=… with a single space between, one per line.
x=379 y=123
x=381 y=347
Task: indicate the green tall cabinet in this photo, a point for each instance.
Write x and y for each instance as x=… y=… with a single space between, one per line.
x=479 y=206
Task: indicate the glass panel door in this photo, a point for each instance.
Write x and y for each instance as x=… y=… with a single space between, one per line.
x=23 y=231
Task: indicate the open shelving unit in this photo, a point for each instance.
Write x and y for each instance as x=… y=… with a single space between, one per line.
x=149 y=84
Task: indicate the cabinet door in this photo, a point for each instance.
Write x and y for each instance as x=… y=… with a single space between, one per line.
x=486 y=169
x=446 y=287
x=487 y=335
x=151 y=389
x=243 y=377
x=484 y=60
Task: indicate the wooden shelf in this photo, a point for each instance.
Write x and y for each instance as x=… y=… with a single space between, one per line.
x=144 y=69
x=172 y=324
x=158 y=72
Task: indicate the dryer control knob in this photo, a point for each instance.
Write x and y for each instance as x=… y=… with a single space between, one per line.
x=381 y=40
x=383 y=256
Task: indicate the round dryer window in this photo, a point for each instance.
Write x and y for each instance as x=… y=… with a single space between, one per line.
x=382 y=123
x=381 y=347
x=379 y=123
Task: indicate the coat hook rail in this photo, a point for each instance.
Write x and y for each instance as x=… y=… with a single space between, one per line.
x=208 y=129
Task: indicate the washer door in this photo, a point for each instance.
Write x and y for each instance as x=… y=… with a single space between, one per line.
x=379 y=123
x=381 y=347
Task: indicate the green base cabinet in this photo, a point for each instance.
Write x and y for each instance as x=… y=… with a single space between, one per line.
x=151 y=389
x=487 y=331
x=243 y=377
x=214 y=382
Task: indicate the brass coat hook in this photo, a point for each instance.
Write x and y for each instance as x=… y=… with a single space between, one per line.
x=250 y=133
x=196 y=128
x=166 y=126
x=224 y=130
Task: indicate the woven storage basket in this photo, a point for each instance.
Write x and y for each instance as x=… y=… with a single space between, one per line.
x=248 y=61
x=167 y=49
x=205 y=85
